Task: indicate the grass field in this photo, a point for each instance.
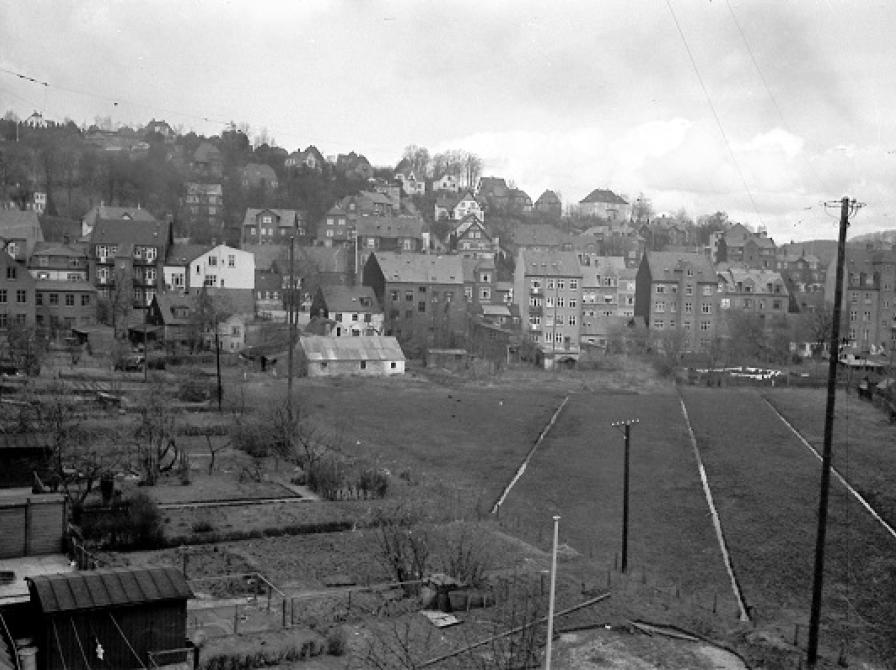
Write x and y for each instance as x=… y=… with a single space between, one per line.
x=766 y=489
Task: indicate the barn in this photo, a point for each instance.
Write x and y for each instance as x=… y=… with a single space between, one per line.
x=111 y=618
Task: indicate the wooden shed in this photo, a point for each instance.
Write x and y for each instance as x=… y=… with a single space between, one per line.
x=111 y=618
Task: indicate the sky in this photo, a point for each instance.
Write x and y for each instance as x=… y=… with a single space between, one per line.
x=763 y=109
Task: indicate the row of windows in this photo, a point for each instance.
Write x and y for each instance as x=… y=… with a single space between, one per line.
x=21 y=296
x=660 y=324
x=18 y=319
x=69 y=299
x=354 y=317
x=688 y=289
x=213 y=261
x=660 y=306
x=571 y=320
x=552 y=284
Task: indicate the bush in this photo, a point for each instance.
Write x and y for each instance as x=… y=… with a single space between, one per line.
x=203 y=526
x=337 y=640
x=134 y=523
x=372 y=483
x=195 y=390
x=326 y=477
x=145 y=521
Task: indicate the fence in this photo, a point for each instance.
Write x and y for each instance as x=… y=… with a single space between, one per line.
x=184 y=657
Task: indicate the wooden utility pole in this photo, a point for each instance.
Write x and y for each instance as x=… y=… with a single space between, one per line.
x=626 y=431
x=815 y=615
x=292 y=325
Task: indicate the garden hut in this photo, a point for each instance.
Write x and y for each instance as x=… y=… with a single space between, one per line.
x=111 y=618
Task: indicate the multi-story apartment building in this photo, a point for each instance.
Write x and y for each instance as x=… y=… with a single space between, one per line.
x=203 y=208
x=17 y=295
x=421 y=295
x=869 y=298
x=760 y=292
x=600 y=285
x=266 y=226
x=59 y=262
x=678 y=292
x=389 y=233
x=61 y=305
x=128 y=254
x=547 y=287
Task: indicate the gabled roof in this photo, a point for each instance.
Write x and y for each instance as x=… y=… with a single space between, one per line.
x=389 y=226
x=110 y=213
x=182 y=254
x=16 y=223
x=550 y=263
x=56 y=249
x=286 y=217
x=169 y=302
x=339 y=298
x=666 y=265
x=63 y=285
x=420 y=268
x=603 y=195
x=469 y=221
x=494 y=187
x=538 y=234
x=605 y=264
x=107 y=587
x=363 y=348
x=146 y=233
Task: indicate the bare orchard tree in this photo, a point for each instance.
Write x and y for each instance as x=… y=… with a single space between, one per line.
x=154 y=435
x=82 y=448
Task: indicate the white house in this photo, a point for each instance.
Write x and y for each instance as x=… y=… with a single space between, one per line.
x=192 y=266
x=447 y=182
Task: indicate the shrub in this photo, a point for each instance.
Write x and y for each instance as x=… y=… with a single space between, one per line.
x=145 y=522
x=337 y=640
x=195 y=389
x=373 y=482
x=203 y=526
x=326 y=477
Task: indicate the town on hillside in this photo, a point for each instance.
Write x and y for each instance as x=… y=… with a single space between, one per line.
x=261 y=405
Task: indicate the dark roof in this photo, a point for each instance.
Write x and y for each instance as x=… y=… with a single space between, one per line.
x=538 y=234
x=58 y=229
x=548 y=198
x=148 y=233
x=182 y=254
x=549 y=263
x=348 y=298
x=420 y=268
x=663 y=265
x=107 y=587
x=603 y=195
x=389 y=227
x=267 y=280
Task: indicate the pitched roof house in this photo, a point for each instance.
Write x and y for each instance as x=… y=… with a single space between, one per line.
x=549 y=203
x=354 y=310
x=269 y=225
x=20 y=231
x=605 y=204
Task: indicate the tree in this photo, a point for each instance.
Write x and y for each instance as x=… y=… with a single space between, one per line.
x=154 y=435
x=25 y=347
x=114 y=309
x=472 y=168
x=815 y=326
x=642 y=209
x=709 y=224
x=418 y=160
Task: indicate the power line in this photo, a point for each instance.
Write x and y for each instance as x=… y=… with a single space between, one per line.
x=715 y=114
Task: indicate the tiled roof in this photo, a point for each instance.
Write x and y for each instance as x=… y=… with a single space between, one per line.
x=603 y=195
x=16 y=223
x=548 y=198
x=363 y=348
x=182 y=254
x=538 y=234
x=550 y=263
x=107 y=587
x=149 y=233
x=109 y=213
x=420 y=268
x=56 y=249
x=388 y=226
x=665 y=266
x=287 y=217
x=349 y=298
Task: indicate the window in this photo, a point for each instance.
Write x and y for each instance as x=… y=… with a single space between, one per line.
x=210 y=280
x=706 y=308
x=660 y=288
x=561 y=283
x=485 y=293
x=54 y=298
x=689 y=289
x=177 y=280
x=231 y=260
x=853 y=315
x=866 y=316
x=549 y=301
x=367 y=317
x=4 y=320
x=363 y=365
x=705 y=325
x=2 y=296
x=659 y=324
x=561 y=301
x=212 y=260
x=659 y=306
x=236 y=331
x=69 y=299
x=338 y=317
x=409 y=314
x=688 y=308
x=393 y=295
x=421 y=306
x=550 y=283
x=572 y=320
x=409 y=296
x=392 y=365
x=468 y=292
x=707 y=290
x=38 y=298
x=85 y=300
x=776 y=304
x=673 y=307
x=149 y=276
x=11 y=272
x=354 y=316
x=686 y=325
x=573 y=302
x=150 y=253
x=329 y=233
x=449 y=296
x=72 y=276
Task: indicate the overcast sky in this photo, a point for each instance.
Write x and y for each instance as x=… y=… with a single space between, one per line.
x=799 y=105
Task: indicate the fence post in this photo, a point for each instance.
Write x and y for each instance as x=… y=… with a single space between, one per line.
x=236 y=619
x=269 y=598
x=349 y=602
x=283 y=618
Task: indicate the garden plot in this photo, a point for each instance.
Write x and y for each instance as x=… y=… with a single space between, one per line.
x=766 y=490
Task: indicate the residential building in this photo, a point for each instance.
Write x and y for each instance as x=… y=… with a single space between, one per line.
x=59 y=262
x=310 y=159
x=741 y=245
x=203 y=208
x=494 y=192
x=547 y=288
x=747 y=290
x=267 y=226
x=518 y=201
x=354 y=310
x=20 y=231
x=605 y=204
x=61 y=305
x=479 y=284
x=472 y=239
x=388 y=233
x=17 y=294
x=410 y=185
x=176 y=268
x=60 y=230
x=869 y=298
x=677 y=292
x=103 y=212
x=261 y=176
x=457 y=207
x=366 y=355
x=207 y=162
x=421 y=295
x=219 y=266
x=354 y=166
x=269 y=294
x=161 y=128
x=548 y=203
x=129 y=255
x=600 y=287
x=447 y=182
x=538 y=237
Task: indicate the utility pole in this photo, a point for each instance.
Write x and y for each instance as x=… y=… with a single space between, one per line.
x=626 y=429
x=292 y=324
x=218 y=366
x=847 y=207
x=550 y=633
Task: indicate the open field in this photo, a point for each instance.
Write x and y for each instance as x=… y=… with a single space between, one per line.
x=864 y=445
x=766 y=489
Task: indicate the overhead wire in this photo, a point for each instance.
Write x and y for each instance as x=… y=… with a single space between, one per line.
x=715 y=113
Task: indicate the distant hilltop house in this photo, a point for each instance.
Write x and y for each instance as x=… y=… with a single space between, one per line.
x=457 y=207
x=310 y=159
x=447 y=182
x=161 y=128
x=549 y=203
x=267 y=226
x=605 y=204
x=410 y=185
x=260 y=175
x=354 y=166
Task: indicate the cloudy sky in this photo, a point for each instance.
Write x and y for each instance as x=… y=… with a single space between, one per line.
x=785 y=105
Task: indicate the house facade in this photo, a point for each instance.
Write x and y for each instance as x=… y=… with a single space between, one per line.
x=422 y=295
x=547 y=288
x=869 y=298
x=354 y=310
x=17 y=294
x=472 y=239
x=549 y=204
x=272 y=226
x=605 y=204
x=204 y=207
x=678 y=292
x=447 y=182
x=387 y=233
x=193 y=267
x=58 y=262
x=62 y=305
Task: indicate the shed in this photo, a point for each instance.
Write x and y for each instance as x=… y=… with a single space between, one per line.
x=111 y=617
x=363 y=355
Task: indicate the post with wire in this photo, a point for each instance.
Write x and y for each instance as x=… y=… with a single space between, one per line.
x=625 y=427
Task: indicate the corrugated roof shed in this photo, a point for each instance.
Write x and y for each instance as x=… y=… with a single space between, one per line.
x=107 y=587
x=363 y=348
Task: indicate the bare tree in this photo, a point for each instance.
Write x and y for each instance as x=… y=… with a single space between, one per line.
x=154 y=435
